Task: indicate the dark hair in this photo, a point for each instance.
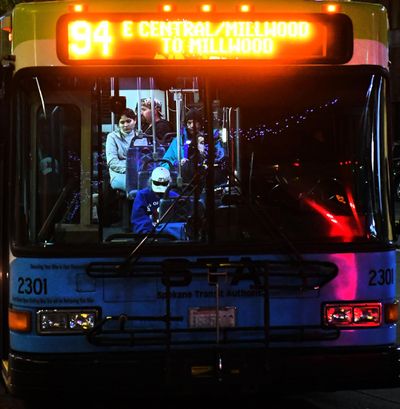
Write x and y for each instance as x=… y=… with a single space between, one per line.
x=129 y=113
x=194 y=114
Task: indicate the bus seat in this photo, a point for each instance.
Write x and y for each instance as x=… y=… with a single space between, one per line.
x=227 y=223
x=175 y=229
x=183 y=208
x=181 y=218
x=115 y=204
x=137 y=157
x=167 y=138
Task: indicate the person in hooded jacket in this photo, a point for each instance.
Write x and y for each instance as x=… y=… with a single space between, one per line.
x=117 y=144
x=192 y=128
x=192 y=131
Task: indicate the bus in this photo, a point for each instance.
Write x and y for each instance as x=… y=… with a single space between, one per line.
x=273 y=264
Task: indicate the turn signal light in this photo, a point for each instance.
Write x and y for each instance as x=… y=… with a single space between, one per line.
x=392 y=313
x=19 y=320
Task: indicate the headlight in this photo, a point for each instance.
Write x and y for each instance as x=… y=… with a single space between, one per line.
x=65 y=321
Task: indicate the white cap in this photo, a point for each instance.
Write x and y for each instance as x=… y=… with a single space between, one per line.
x=160 y=179
x=146 y=102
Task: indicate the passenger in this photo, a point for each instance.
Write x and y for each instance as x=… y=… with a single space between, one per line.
x=117 y=145
x=147 y=201
x=162 y=125
x=193 y=129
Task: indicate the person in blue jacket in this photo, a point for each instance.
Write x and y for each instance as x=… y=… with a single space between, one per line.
x=193 y=127
x=147 y=201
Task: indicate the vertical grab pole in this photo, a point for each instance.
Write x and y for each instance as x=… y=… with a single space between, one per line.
x=237 y=169
x=112 y=113
x=153 y=119
x=139 y=105
x=178 y=102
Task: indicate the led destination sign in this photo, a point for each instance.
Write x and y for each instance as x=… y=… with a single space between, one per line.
x=117 y=39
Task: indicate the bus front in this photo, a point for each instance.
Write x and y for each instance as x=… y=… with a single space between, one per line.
x=274 y=252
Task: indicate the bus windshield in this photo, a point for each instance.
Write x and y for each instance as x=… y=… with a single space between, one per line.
x=298 y=154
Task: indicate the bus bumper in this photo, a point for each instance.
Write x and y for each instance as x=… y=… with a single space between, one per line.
x=186 y=371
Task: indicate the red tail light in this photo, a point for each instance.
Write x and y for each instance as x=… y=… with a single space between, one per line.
x=353 y=314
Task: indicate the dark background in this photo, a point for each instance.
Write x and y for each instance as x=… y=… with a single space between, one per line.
x=393 y=7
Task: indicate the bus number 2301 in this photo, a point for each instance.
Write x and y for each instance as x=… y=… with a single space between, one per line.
x=381 y=277
x=27 y=285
